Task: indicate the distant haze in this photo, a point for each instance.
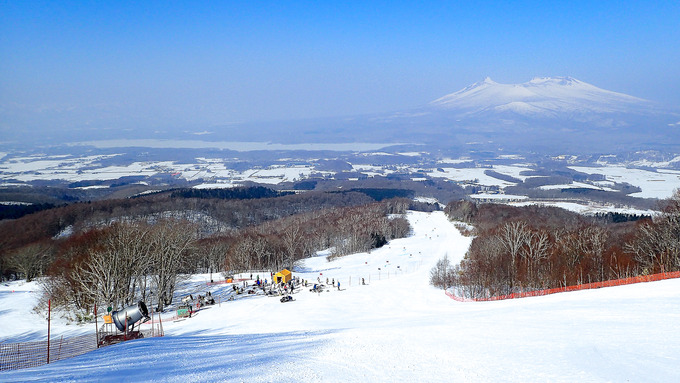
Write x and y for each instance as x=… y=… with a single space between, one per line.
x=545 y=114
x=126 y=68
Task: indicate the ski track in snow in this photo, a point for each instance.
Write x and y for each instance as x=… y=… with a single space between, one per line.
x=391 y=329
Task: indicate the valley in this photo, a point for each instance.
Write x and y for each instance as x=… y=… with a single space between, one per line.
x=629 y=182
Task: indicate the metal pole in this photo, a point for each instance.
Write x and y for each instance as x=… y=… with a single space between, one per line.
x=49 y=317
x=96 y=325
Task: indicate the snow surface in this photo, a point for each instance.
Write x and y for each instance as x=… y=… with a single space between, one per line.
x=604 y=160
x=590 y=208
x=575 y=185
x=472 y=174
x=393 y=329
x=660 y=184
x=498 y=198
x=215 y=174
x=469 y=175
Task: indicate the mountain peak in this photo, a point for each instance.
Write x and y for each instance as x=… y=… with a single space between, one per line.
x=539 y=96
x=565 y=81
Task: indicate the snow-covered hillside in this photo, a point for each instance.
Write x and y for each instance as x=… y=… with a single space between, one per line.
x=396 y=328
x=546 y=96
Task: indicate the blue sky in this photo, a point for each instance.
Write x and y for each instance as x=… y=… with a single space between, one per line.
x=211 y=63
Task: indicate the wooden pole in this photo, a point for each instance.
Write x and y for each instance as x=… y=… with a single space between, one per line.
x=160 y=321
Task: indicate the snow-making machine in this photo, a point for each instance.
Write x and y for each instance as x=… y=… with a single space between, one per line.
x=125 y=321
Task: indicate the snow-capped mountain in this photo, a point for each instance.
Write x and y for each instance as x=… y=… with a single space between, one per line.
x=550 y=114
x=540 y=97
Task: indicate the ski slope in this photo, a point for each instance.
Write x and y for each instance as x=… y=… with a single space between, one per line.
x=396 y=329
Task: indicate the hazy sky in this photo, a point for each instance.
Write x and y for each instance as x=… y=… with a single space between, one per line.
x=207 y=63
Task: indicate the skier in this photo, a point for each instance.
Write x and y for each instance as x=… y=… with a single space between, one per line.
x=338 y=285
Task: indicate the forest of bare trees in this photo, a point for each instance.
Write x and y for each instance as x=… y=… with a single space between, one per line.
x=531 y=248
x=115 y=254
x=120 y=264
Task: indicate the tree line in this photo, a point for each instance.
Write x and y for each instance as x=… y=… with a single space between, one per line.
x=519 y=249
x=116 y=256
x=255 y=192
x=127 y=261
x=20 y=237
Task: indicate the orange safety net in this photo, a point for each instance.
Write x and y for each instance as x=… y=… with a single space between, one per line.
x=585 y=286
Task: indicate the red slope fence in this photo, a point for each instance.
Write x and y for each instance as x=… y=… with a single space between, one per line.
x=585 y=286
x=14 y=356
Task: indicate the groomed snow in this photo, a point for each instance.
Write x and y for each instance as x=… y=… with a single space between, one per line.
x=399 y=329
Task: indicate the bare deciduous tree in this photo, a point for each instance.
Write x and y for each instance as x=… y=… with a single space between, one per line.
x=115 y=271
x=31 y=261
x=535 y=251
x=442 y=274
x=170 y=241
x=514 y=236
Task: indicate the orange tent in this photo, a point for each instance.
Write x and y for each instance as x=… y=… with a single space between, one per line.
x=283 y=276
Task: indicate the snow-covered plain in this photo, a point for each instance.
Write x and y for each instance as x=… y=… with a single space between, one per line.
x=659 y=184
x=590 y=208
x=471 y=175
x=215 y=172
x=574 y=185
x=396 y=329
